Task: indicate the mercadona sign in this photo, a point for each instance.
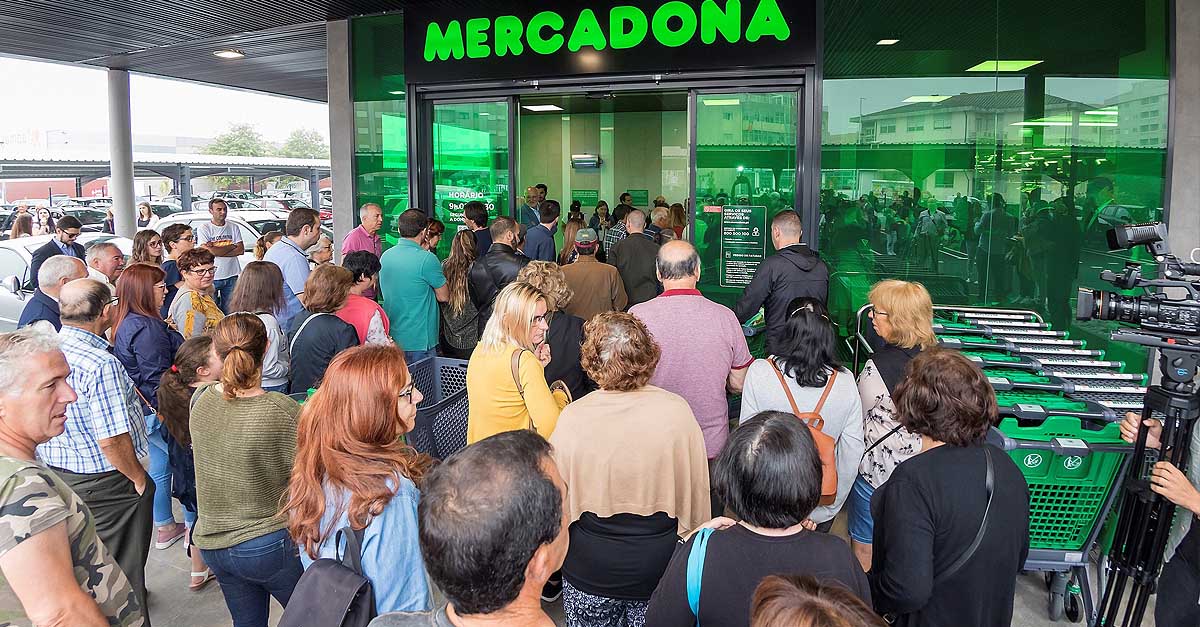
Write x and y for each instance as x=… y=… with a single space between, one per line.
x=584 y=38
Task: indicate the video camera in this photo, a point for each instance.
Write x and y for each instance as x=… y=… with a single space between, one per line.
x=1161 y=319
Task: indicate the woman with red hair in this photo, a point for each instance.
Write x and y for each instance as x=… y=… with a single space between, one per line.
x=146 y=347
x=354 y=470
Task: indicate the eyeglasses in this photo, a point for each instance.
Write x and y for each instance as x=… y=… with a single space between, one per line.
x=70 y=235
x=541 y=318
x=407 y=393
x=160 y=286
x=875 y=312
x=208 y=271
x=155 y=243
x=190 y=238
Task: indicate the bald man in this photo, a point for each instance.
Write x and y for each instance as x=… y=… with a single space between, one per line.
x=703 y=349
x=793 y=271
x=634 y=258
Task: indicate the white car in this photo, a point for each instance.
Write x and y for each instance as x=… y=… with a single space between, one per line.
x=15 y=258
x=251 y=224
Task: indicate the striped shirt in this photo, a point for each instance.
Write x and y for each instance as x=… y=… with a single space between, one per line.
x=107 y=407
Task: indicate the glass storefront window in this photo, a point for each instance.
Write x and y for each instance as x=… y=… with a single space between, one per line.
x=992 y=188
x=380 y=120
x=745 y=174
x=470 y=162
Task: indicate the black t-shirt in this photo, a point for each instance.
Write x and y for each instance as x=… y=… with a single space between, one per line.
x=926 y=516
x=620 y=557
x=736 y=561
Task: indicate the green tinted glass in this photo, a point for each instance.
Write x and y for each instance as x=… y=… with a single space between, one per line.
x=470 y=162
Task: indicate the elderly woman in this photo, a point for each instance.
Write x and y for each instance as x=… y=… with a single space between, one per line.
x=769 y=476
x=506 y=378
x=565 y=335
x=627 y=520
x=902 y=315
x=194 y=311
x=953 y=526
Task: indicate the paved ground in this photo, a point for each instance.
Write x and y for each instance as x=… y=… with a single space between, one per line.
x=173 y=605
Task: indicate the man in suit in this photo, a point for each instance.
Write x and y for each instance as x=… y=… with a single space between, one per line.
x=53 y=275
x=66 y=232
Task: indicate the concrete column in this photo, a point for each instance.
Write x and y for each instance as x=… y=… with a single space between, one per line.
x=341 y=131
x=120 y=149
x=1183 y=202
x=314 y=184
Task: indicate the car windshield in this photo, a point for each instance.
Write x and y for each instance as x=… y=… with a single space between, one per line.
x=87 y=216
x=263 y=226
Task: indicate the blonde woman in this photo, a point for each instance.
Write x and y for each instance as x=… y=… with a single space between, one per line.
x=902 y=314
x=565 y=333
x=460 y=325
x=506 y=379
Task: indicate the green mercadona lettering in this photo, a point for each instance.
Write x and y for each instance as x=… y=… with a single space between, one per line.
x=673 y=24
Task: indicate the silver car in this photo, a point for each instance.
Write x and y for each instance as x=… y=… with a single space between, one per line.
x=15 y=259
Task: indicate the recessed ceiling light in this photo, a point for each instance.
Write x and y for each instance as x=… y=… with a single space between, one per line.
x=933 y=98
x=887 y=42
x=232 y=53
x=484 y=113
x=1098 y=124
x=397 y=92
x=1002 y=65
x=542 y=108
x=721 y=102
x=1102 y=112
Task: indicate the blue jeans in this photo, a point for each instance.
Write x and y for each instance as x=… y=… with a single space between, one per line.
x=861 y=524
x=252 y=572
x=223 y=292
x=160 y=473
x=412 y=357
x=281 y=388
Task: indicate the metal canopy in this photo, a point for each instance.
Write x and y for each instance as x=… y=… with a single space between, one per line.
x=284 y=40
x=90 y=167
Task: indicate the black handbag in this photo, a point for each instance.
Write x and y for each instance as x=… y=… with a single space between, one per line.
x=333 y=592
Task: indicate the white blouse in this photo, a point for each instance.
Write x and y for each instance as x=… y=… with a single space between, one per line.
x=879 y=419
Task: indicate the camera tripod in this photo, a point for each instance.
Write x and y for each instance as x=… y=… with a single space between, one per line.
x=1145 y=517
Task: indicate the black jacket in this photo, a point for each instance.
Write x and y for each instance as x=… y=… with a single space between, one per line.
x=47 y=251
x=324 y=337
x=489 y=274
x=566 y=340
x=634 y=258
x=790 y=273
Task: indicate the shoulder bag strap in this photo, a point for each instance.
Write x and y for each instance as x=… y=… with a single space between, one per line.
x=989 y=485
x=695 y=570
x=825 y=394
x=292 y=345
x=786 y=390
x=516 y=375
x=354 y=543
x=880 y=440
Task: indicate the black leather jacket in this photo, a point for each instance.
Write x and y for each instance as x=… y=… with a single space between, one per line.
x=489 y=274
x=792 y=272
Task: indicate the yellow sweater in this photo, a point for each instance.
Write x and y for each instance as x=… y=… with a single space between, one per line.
x=496 y=406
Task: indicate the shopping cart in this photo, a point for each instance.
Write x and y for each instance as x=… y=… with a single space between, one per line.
x=1072 y=467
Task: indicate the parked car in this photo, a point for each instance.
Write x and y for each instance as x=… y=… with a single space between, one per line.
x=15 y=259
x=235 y=193
x=231 y=203
x=278 y=204
x=251 y=224
x=92 y=218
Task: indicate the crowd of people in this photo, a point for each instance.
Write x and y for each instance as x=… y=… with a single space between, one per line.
x=272 y=402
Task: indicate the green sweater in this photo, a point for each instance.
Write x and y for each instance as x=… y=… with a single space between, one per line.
x=244 y=450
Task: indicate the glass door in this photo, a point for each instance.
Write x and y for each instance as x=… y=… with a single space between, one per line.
x=745 y=172
x=470 y=143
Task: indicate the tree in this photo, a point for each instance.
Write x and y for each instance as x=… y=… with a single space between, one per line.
x=304 y=144
x=241 y=140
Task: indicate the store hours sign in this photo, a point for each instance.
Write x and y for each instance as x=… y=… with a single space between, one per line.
x=743 y=243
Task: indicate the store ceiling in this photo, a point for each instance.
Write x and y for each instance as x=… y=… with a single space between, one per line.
x=284 y=40
x=634 y=102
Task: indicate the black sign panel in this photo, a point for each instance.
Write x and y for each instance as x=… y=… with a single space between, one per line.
x=489 y=41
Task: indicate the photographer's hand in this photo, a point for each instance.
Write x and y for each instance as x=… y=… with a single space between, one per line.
x=1170 y=482
x=1129 y=430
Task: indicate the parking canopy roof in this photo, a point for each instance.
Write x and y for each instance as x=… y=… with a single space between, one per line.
x=284 y=40
x=91 y=166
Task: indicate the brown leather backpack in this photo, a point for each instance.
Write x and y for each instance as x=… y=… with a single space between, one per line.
x=826 y=446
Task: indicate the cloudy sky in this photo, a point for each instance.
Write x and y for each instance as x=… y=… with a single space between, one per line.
x=49 y=96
